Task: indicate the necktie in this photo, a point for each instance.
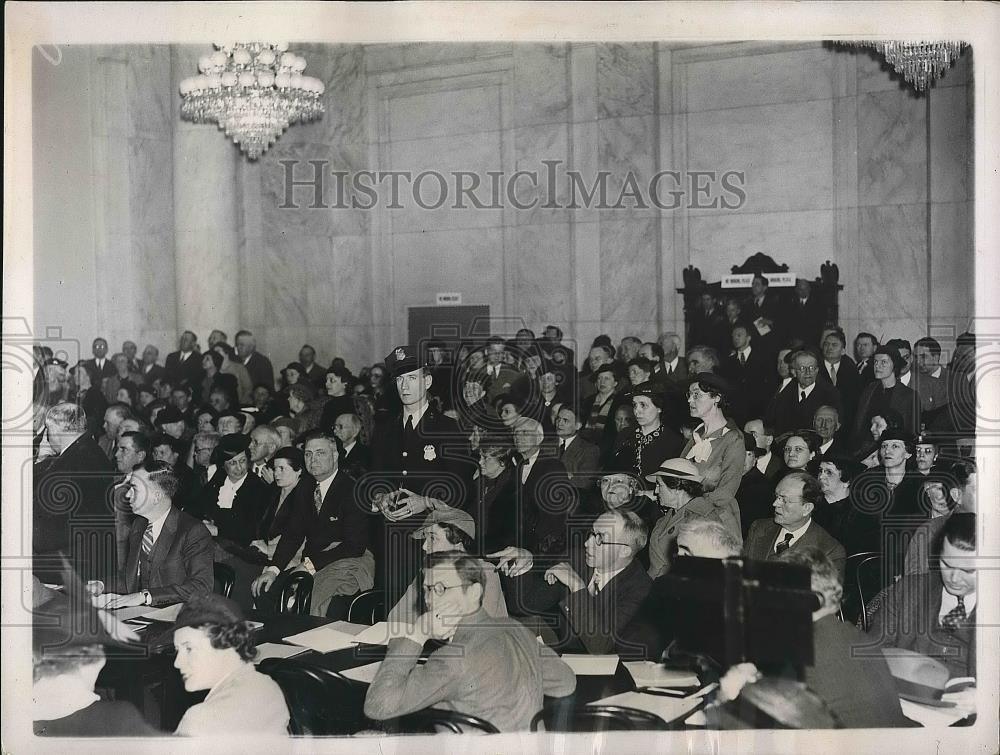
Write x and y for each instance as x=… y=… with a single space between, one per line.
x=318 y=497
x=593 y=588
x=562 y=448
x=147 y=540
x=861 y=365
x=784 y=545
x=743 y=359
x=408 y=427
x=955 y=617
x=669 y=370
x=802 y=396
x=833 y=374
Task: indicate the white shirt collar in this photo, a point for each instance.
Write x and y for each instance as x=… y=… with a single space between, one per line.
x=796 y=534
x=799 y=390
x=247 y=360
x=528 y=463
x=831 y=366
x=228 y=491
x=745 y=352
x=762 y=462
x=673 y=364
x=784 y=382
x=601 y=579
x=949 y=601
x=158 y=525
x=905 y=379
x=937 y=372
x=353 y=443
x=417 y=415
x=824 y=447
x=324 y=486
x=566 y=441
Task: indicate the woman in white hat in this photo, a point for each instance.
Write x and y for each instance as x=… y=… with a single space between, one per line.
x=679 y=491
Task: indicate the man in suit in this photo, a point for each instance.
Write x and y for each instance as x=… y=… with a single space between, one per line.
x=149 y=370
x=100 y=366
x=169 y=553
x=933 y=383
x=840 y=371
x=708 y=323
x=417 y=453
x=795 y=407
x=858 y=689
x=544 y=495
x=755 y=494
x=259 y=366
x=580 y=458
x=70 y=509
x=332 y=525
x=672 y=365
x=315 y=374
x=498 y=378
x=129 y=349
x=561 y=357
x=114 y=415
x=770 y=464
x=131 y=454
x=702 y=359
x=864 y=349
x=763 y=305
x=599 y=591
x=826 y=423
x=750 y=372
x=184 y=365
x=121 y=378
x=792 y=526
x=934 y=613
x=357 y=458
x=172 y=451
x=805 y=318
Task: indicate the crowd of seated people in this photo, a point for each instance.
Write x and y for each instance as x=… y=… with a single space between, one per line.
x=497 y=479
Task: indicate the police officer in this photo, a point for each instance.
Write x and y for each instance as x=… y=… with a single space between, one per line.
x=419 y=458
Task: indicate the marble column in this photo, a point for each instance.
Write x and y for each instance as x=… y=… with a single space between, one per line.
x=206 y=238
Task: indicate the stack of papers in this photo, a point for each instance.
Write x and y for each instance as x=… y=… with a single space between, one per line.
x=374 y=635
x=323 y=639
x=274 y=650
x=364 y=673
x=591 y=665
x=651 y=674
x=667 y=708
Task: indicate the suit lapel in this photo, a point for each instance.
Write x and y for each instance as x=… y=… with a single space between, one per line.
x=166 y=539
x=134 y=549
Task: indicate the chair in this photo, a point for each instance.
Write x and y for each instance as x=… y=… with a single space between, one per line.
x=860 y=576
x=225 y=578
x=435 y=720
x=320 y=701
x=296 y=595
x=368 y=607
x=596 y=718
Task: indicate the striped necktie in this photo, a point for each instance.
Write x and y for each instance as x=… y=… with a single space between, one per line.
x=785 y=544
x=147 y=541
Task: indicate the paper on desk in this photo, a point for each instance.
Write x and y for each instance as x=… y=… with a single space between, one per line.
x=131 y=612
x=591 y=665
x=364 y=673
x=274 y=650
x=651 y=674
x=667 y=708
x=168 y=614
x=322 y=639
x=377 y=634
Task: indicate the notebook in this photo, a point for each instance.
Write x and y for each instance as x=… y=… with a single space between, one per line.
x=374 y=635
x=591 y=665
x=323 y=639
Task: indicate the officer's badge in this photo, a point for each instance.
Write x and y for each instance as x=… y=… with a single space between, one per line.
x=400 y=355
x=429 y=453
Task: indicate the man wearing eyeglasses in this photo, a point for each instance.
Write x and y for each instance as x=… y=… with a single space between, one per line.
x=491 y=667
x=598 y=593
x=796 y=405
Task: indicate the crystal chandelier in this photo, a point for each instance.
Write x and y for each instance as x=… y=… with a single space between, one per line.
x=920 y=63
x=253 y=91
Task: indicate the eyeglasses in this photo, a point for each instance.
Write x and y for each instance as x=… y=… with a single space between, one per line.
x=599 y=539
x=807 y=368
x=439 y=588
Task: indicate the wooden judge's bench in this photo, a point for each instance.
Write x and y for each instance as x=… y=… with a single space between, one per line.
x=781 y=285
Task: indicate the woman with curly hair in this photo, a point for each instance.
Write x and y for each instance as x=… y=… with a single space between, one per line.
x=215 y=651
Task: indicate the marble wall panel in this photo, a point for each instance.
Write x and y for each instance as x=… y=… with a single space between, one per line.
x=151 y=205
x=532 y=146
x=149 y=93
x=387 y=57
x=346 y=117
x=152 y=269
x=542 y=285
x=892 y=149
x=626 y=146
x=286 y=279
x=874 y=74
x=625 y=79
x=349 y=283
x=893 y=266
x=109 y=73
x=951 y=145
x=441 y=113
x=469 y=261
x=444 y=155
x=785 y=152
x=541 y=87
x=628 y=265
x=953 y=275
x=757 y=80
x=110 y=166
x=802 y=240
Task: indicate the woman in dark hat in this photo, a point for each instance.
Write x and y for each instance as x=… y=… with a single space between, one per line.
x=883 y=394
x=597 y=411
x=234 y=503
x=292 y=490
x=652 y=442
x=716 y=447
